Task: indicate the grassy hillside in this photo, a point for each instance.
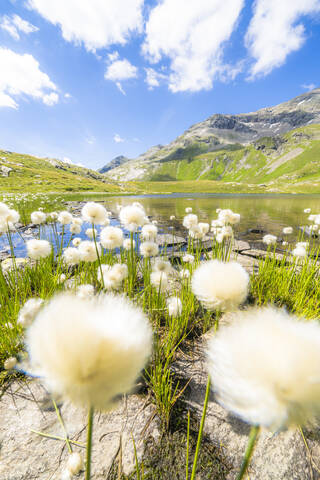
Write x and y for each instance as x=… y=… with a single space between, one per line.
x=32 y=174
x=290 y=162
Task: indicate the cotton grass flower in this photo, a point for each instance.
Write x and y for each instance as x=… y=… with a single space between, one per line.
x=132 y=217
x=269 y=239
x=287 y=230
x=71 y=256
x=174 y=306
x=149 y=232
x=76 y=241
x=65 y=217
x=190 y=221
x=94 y=360
x=219 y=285
x=4 y=210
x=127 y=244
x=38 y=217
x=307 y=210
x=88 y=251
x=188 y=258
x=113 y=276
x=94 y=213
x=196 y=233
x=10 y=363
x=265 y=367
x=75 y=229
x=188 y=210
x=172 y=217
x=111 y=237
x=75 y=463
x=37 y=249
x=85 y=291
x=204 y=227
x=29 y=311
x=149 y=249
x=91 y=232
x=159 y=280
x=77 y=221
x=160 y=265
x=299 y=252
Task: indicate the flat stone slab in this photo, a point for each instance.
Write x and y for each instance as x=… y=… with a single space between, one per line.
x=168 y=239
x=25 y=455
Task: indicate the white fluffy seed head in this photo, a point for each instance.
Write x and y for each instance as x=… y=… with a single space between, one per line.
x=96 y=359
x=38 y=249
x=91 y=232
x=149 y=232
x=196 y=232
x=188 y=258
x=10 y=363
x=302 y=244
x=75 y=229
x=113 y=276
x=174 y=305
x=38 y=217
x=29 y=311
x=85 y=291
x=76 y=241
x=111 y=237
x=204 y=227
x=94 y=213
x=188 y=210
x=65 y=217
x=132 y=217
x=190 y=221
x=127 y=244
x=159 y=280
x=4 y=210
x=299 y=252
x=227 y=216
x=219 y=285
x=287 y=230
x=71 y=256
x=265 y=367
x=75 y=463
x=149 y=249
x=88 y=251
x=172 y=217
x=307 y=210
x=160 y=265
x=77 y=221
x=269 y=239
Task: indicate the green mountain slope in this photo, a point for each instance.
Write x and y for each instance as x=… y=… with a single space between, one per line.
x=272 y=146
x=25 y=173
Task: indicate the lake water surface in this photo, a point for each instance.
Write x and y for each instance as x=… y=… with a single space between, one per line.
x=261 y=213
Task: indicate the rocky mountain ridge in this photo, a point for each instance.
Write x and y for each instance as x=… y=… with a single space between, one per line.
x=224 y=133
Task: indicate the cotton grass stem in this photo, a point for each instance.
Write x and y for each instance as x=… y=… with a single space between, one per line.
x=204 y=412
x=62 y=425
x=254 y=432
x=89 y=442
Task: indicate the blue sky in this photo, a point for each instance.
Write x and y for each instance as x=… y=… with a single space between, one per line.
x=87 y=80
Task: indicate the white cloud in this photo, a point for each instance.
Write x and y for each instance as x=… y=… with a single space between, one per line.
x=192 y=35
x=90 y=140
x=117 y=138
x=274 y=33
x=113 y=56
x=120 y=70
x=21 y=76
x=308 y=86
x=50 y=99
x=93 y=23
x=154 y=78
x=119 y=86
x=67 y=95
x=14 y=24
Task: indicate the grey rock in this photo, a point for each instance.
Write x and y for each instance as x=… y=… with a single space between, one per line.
x=25 y=455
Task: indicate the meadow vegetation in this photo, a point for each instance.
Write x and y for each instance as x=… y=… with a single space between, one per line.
x=174 y=295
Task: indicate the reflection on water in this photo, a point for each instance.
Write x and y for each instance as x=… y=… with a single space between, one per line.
x=264 y=212
x=269 y=214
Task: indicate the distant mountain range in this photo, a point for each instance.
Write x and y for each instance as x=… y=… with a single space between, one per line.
x=276 y=144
